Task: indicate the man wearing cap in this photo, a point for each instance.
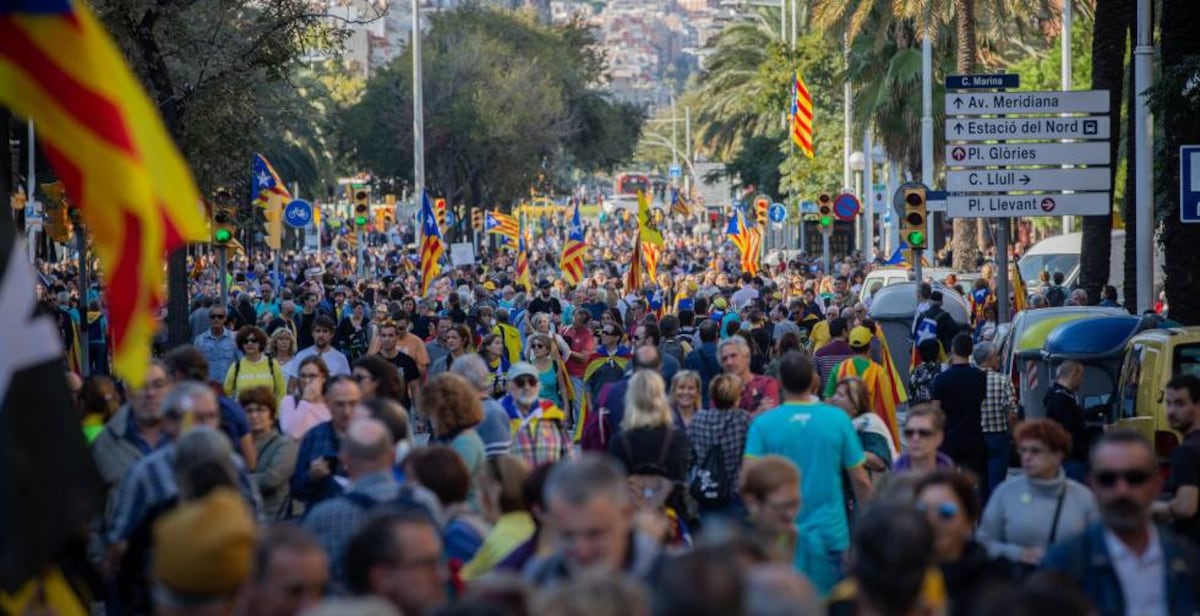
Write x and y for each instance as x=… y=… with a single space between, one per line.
x=544 y=302
x=539 y=433
x=876 y=379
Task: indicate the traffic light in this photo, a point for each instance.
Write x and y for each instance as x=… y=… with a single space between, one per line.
x=477 y=219
x=760 y=210
x=362 y=208
x=274 y=225
x=223 y=226
x=914 y=219
x=825 y=211
x=55 y=208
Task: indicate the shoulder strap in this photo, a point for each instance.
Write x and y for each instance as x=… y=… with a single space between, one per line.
x=237 y=369
x=1062 y=494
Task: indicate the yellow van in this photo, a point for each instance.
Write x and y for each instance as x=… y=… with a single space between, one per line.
x=1152 y=358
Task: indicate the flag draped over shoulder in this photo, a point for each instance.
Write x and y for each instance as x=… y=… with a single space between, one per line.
x=431 y=245
x=571 y=263
x=646 y=228
x=504 y=225
x=109 y=147
x=266 y=184
x=47 y=480
x=522 y=269
x=801 y=116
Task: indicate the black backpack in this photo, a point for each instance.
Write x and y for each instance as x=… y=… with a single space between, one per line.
x=710 y=483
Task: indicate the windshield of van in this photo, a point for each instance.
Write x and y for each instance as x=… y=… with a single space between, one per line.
x=1187 y=359
x=1032 y=265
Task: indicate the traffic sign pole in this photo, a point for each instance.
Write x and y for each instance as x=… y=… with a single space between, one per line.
x=825 y=250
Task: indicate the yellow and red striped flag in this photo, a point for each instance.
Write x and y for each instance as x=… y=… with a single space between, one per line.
x=505 y=225
x=633 y=278
x=522 y=267
x=431 y=246
x=651 y=253
x=265 y=183
x=109 y=147
x=574 y=248
x=750 y=254
x=802 y=117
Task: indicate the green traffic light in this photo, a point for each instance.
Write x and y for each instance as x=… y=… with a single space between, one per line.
x=826 y=221
x=360 y=221
x=223 y=235
x=916 y=239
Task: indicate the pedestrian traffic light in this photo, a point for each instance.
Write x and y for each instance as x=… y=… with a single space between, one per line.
x=825 y=211
x=223 y=227
x=914 y=218
x=362 y=208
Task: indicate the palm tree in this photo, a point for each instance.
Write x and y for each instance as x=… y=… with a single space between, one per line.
x=1108 y=72
x=1177 y=104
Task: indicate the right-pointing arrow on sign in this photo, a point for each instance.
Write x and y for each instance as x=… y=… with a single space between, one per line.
x=1024 y=180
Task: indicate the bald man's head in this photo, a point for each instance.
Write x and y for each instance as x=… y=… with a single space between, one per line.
x=368 y=448
x=647 y=358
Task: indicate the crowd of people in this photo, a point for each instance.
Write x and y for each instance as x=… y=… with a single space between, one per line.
x=714 y=442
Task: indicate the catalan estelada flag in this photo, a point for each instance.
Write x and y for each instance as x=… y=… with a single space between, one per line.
x=504 y=225
x=265 y=183
x=651 y=253
x=522 y=268
x=108 y=145
x=753 y=250
x=801 y=116
x=571 y=263
x=431 y=245
x=679 y=205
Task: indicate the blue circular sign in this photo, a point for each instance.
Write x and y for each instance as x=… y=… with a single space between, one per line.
x=777 y=213
x=298 y=213
x=846 y=206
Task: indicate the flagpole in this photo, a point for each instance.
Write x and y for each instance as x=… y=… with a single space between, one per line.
x=31 y=185
x=81 y=247
x=418 y=118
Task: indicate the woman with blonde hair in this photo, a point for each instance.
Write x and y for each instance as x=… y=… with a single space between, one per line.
x=282 y=345
x=551 y=385
x=648 y=443
x=723 y=427
x=685 y=396
x=851 y=396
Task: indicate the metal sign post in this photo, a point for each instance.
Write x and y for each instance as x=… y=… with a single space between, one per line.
x=221 y=273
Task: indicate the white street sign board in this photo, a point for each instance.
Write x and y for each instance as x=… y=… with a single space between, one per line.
x=1027 y=154
x=1001 y=103
x=1043 y=204
x=997 y=180
x=1016 y=129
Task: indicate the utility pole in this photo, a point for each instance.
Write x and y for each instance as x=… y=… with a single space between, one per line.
x=1065 y=69
x=1143 y=57
x=687 y=149
x=418 y=123
x=927 y=120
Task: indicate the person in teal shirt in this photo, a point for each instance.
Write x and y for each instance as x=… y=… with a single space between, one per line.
x=822 y=442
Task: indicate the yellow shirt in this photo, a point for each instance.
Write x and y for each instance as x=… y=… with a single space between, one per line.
x=819 y=336
x=262 y=373
x=510 y=531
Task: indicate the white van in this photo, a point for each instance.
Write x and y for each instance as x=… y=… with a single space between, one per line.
x=1061 y=254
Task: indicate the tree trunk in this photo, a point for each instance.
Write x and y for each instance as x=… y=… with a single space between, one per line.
x=1129 y=287
x=1108 y=67
x=965 y=243
x=1181 y=125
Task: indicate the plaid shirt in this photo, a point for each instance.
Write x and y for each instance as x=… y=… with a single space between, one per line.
x=541 y=436
x=999 y=402
x=151 y=482
x=725 y=429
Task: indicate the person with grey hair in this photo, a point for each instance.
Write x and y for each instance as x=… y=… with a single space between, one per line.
x=494 y=429
x=367 y=453
x=759 y=393
x=777 y=590
x=188 y=406
x=997 y=414
x=589 y=506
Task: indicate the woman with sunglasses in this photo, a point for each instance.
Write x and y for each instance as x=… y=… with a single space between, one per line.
x=923 y=431
x=1030 y=512
x=378 y=378
x=951 y=504
x=550 y=378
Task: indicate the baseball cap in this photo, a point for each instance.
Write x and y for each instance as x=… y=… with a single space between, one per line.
x=520 y=369
x=860 y=337
x=720 y=303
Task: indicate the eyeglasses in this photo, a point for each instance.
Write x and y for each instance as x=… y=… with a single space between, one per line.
x=216 y=316
x=1134 y=477
x=945 y=510
x=525 y=381
x=915 y=432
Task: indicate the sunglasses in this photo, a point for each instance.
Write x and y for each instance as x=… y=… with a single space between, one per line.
x=915 y=432
x=1134 y=477
x=945 y=510
x=537 y=346
x=525 y=381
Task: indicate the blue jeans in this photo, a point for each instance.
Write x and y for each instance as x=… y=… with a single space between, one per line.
x=998 y=445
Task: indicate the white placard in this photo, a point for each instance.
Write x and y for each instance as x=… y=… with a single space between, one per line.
x=462 y=253
x=1038 y=204
x=995 y=180
x=1001 y=103
x=1018 y=129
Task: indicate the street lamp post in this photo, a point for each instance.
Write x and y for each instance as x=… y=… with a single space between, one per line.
x=418 y=122
x=858 y=162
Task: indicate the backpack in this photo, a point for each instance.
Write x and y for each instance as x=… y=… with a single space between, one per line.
x=237 y=369
x=674 y=348
x=597 y=425
x=649 y=488
x=710 y=483
x=407 y=499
